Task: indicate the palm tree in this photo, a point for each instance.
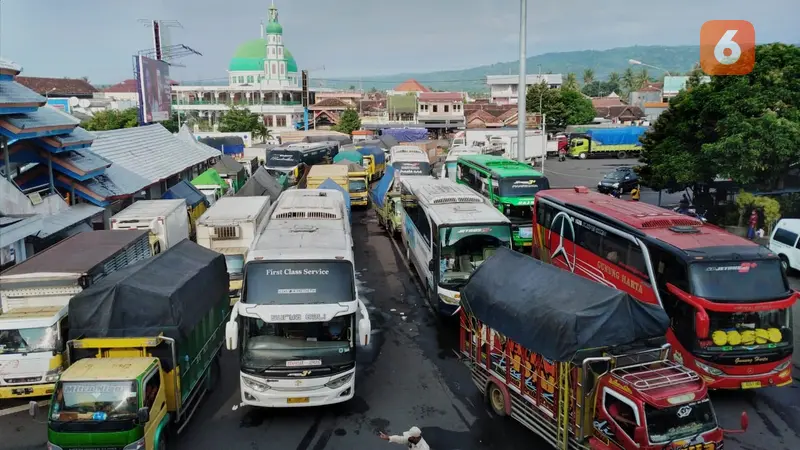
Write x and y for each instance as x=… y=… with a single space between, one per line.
x=613 y=83
x=642 y=78
x=571 y=82
x=628 y=80
x=588 y=76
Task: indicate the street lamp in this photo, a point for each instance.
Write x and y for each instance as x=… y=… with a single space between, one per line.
x=522 y=85
x=635 y=62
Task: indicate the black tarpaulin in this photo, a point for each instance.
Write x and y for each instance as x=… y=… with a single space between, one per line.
x=553 y=312
x=169 y=293
x=261 y=183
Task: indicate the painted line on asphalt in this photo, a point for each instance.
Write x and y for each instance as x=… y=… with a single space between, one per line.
x=20 y=408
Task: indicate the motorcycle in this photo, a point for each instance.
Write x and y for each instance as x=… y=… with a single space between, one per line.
x=691 y=211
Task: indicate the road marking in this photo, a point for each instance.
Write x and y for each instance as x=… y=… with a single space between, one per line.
x=20 y=408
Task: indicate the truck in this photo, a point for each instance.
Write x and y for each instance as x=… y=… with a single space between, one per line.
x=374 y=159
x=351 y=155
x=196 y=203
x=619 y=142
x=229 y=227
x=358 y=182
x=581 y=364
x=166 y=220
x=34 y=295
x=336 y=172
x=387 y=204
x=300 y=316
x=143 y=351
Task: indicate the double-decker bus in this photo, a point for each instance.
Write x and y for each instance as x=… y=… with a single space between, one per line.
x=509 y=185
x=727 y=297
x=448 y=231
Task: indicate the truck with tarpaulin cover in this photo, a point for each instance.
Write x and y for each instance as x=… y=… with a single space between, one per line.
x=34 y=296
x=264 y=184
x=357 y=181
x=387 y=203
x=620 y=142
x=196 y=202
x=374 y=160
x=580 y=364
x=143 y=352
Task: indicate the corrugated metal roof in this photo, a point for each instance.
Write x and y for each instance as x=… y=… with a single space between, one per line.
x=44 y=117
x=78 y=135
x=151 y=151
x=77 y=213
x=12 y=93
x=83 y=159
x=186 y=135
x=117 y=181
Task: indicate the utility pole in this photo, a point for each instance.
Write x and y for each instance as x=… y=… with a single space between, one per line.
x=522 y=85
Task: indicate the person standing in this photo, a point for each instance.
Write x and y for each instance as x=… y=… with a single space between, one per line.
x=753 y=223
x=412 y=438
x=636 y=193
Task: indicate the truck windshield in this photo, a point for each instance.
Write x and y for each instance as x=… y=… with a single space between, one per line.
x=522 y=186
x=235 y=265
x=739 y=281
x=28 y=340
x=465 y=248
x=358 y=186
x=297 y=345
x=298 y=282
x=679 y=422
x=278 y=158
x=95 y=401
x=412 y=168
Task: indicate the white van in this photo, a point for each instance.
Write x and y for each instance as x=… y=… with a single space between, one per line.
x=785 y=241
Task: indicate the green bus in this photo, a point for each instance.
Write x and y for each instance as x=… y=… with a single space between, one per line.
x=511 y=190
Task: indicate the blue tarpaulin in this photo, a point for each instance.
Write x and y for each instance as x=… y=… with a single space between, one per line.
x=186 y=191
x=407 y=134
x=330 y=184
x=378 y=193
x=380 y=156
x=617 y=136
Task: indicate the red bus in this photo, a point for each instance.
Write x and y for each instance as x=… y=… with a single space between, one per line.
x=728 y=298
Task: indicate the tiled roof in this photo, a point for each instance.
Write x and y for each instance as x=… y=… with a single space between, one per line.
x=411 y=85
x=512 y=112
x=331 y=103
x=615 y=112
x=599 y=102
x=121 y=181
x=150 y=151
x=78 y=136
x=11 y=66
x=127 y=86
x=441 y=97
x=649 y=89
x=76 y=213
x=13 y=93
x=58 y=87
x=83 y=160
x=44 y=117
x=482 y=116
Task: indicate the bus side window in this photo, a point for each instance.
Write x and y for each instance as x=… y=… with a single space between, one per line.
x=544 y=215
x=420 y=220
x=588 y=239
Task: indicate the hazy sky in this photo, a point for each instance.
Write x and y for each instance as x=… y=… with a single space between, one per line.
x=96 y=38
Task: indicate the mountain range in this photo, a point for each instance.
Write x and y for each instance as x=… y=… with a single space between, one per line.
x=676 y=60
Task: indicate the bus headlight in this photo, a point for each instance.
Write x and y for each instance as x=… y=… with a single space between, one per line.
x=782 y=366
x=52 y=375
x=339 y=382
x=255 y=385
x=450 y=300
x=710 y=370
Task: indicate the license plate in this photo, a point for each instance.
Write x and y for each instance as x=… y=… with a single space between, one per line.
x=751 y=384
x=297 y=400
x=526 y=233
x=22 y=391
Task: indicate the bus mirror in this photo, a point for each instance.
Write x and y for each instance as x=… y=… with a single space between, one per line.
x=232 y=335
x=431 y=265
x=364 y=330
x=143 y=415
x=701 y=324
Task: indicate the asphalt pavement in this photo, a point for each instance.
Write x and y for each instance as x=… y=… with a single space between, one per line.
x=408 y=376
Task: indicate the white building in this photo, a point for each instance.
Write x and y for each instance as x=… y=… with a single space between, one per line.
x=262 y=77
x=503 y=88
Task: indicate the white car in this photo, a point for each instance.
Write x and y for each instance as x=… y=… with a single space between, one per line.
x=785 y=241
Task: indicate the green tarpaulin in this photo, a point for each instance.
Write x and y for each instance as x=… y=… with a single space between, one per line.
x=350 y=156
x=211 y=178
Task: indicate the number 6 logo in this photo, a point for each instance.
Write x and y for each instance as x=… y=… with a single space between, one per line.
x=727 y=47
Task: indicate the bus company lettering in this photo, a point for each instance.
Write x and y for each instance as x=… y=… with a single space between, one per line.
x=310 y=317
x=282 y=272
x=623 y=278
x=753 y=360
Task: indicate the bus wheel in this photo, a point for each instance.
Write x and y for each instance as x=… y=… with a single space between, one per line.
x=582 y=155
x=621 y=155
x=785 y=264
x=496 y=399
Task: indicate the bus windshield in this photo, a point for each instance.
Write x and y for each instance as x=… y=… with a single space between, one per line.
x=738 y=281
x=298 y=282
x=278 y=158
x=297 y=345
x=680 y=421
x=522 y=186
x=464 y=248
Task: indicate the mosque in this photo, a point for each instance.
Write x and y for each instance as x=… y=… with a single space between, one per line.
x=262 y=76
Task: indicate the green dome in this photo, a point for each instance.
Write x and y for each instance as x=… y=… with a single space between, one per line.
x=250 y=56
x=274 y=28
x=291 y=64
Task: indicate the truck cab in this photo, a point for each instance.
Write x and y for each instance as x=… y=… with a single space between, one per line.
x=234 y=259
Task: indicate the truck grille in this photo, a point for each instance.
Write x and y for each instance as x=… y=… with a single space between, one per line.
x=22 y=380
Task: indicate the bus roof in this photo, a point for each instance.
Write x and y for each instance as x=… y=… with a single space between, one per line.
x=410 y=157
x=678 y=230
x=451 y=203
x=502 y=166
x=459 y=150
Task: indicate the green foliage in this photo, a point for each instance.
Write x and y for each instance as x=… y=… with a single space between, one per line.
x=172 y=123
x=112 y=120
x=561 y=107
x=771 y=208
x=349 y=121
x=241 y=120
x=746 y=128
x=571 y=82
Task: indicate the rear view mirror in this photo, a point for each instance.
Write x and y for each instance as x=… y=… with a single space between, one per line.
x=364 y=330
x=639 y=436
x=232 y=335
x=143 y=415
x=701 y=324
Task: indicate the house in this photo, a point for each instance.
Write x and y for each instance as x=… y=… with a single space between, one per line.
x=503 y=88
x=441 y=110
x=673 y=85
x=647 y=94
x=326 y=112
x=654 y=109
x=59 y=87
x=126 y=91
x=348 y=97
x=611 y=99
x=409 y=86
x=620 y=113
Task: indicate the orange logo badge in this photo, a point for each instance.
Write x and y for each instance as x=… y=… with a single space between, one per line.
x=727 y=47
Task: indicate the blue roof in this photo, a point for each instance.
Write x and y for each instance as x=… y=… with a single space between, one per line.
x=378 y=153
x=13 y=94
x=186 y=191
x=378 y=193
x=78 y=138
x=80 y=164
x=33 y=124
x=330 y=184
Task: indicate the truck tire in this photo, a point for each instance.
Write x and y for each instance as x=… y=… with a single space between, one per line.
x=621 y=155
x=583 y=155
x=213 y=374
x=496 y=399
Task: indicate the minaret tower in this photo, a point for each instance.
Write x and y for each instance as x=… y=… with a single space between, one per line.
x=275 y=62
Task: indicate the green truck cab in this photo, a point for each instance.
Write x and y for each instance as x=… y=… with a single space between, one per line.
x=509 y=185
x=143 y=351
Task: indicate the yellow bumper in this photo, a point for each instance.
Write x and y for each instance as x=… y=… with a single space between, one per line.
x=359 y=202
x=23 y=391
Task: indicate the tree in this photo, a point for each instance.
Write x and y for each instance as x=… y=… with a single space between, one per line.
x=172 y=123
x=349 y=121
x=241 y=120
x=561 y=107
x=571 y=82
x=628 y=80
x=112 y=119
x=746 y=128
x=588 y=76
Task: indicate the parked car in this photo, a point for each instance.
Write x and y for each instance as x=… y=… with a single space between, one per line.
x=785 y=241
x=623 y=179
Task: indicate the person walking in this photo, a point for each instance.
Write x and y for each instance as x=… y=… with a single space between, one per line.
x=412 y=438
x=636 y=194
x=753 y=223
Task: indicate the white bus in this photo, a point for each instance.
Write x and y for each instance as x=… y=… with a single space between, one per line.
x=300 y=318
x=401 y=149
x=410 y=165
x=449 y=166
x=448 y=231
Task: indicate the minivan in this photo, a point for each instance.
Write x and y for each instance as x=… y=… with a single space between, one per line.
x=785 y=241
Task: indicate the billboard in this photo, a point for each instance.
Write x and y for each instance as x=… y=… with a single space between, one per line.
x=61 y=104
x=155 y=96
